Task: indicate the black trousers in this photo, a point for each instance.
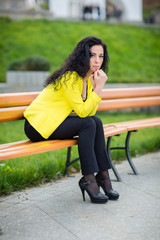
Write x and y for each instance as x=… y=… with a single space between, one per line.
x=91 y=141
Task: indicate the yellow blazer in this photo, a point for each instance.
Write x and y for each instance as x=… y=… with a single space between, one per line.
x=52 y=106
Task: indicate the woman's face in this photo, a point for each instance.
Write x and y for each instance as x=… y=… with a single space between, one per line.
x=96 y=59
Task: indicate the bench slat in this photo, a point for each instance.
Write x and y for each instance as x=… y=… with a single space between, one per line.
x=22 y=99
x=11 y=113
x=16 y=113
x=136 y=124
x=14 y=144
x=112 y=130
x=26 y=147
x=142 y=126
x=128 y=103
x=30 y=148
x=115 y=93
x=17 y=99
x=130 y=122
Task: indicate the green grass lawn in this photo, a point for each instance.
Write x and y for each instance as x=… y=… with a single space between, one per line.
x=133 y=50
x=19 y=173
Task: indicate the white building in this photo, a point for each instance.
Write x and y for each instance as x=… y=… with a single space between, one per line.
x=74 y=8
x=132 y=10
x=124 y=10
x=95 y=9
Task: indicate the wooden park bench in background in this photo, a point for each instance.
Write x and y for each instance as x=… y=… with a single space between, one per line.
x=12 y=106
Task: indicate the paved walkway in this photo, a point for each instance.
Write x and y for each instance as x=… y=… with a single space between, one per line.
x=56 y=211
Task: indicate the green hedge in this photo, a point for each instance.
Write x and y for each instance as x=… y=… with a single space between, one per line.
x=32 y=63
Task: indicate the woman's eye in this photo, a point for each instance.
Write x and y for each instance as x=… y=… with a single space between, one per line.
x=94 y=55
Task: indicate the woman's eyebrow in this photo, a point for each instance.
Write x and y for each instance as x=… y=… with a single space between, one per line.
x=95 y=53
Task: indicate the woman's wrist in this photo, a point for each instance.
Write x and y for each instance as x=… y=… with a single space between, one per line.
x=98 y=90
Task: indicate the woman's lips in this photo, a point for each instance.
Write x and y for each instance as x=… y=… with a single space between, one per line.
x=96 y=67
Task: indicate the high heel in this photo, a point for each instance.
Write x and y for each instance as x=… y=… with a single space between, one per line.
x=112 y=195
x=99 y=198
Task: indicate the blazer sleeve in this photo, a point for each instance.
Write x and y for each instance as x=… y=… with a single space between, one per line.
x=73 y=97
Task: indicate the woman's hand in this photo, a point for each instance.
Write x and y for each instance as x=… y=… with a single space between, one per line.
x=99 y=78
x=93 y=81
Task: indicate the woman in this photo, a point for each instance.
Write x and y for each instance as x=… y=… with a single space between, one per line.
x=77 y=87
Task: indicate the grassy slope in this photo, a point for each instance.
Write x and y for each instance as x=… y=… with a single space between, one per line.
x=134 y=51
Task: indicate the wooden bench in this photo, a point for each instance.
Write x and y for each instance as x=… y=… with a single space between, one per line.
x=12 y=106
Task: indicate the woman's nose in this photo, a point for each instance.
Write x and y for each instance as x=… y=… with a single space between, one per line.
x=97 y=59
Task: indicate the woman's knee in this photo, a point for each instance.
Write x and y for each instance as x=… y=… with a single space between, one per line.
x=97 y=121
x=89 y=123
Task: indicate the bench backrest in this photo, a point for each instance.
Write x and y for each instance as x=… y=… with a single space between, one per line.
x=12 y=105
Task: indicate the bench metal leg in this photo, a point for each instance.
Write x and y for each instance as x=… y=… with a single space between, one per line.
x=110 y=160
x=68 y=161
x=128 y=153
x=126 y=148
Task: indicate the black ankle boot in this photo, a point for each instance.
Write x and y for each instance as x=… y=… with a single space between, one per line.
x=112 y=195
x=95 y=198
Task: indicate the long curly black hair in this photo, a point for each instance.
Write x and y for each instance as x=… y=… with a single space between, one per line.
x=78 y=61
